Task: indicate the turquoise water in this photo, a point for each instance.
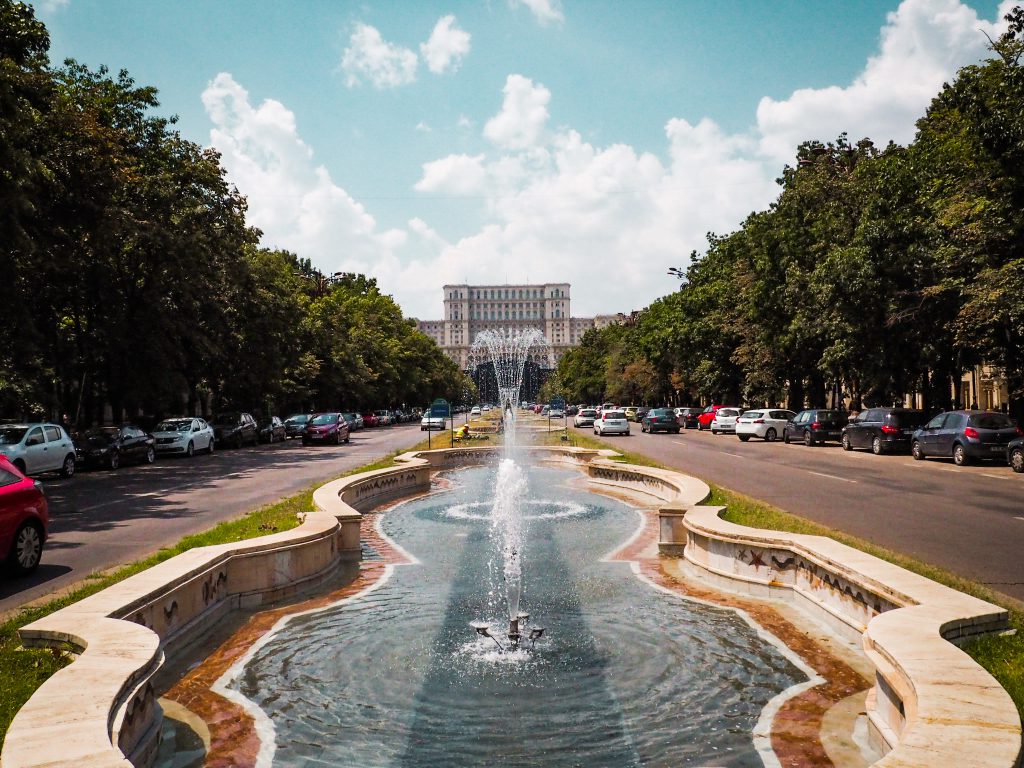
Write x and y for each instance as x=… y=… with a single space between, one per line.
x=625 y=675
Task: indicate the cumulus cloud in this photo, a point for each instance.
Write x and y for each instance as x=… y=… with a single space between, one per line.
x=545 y=11
x=52 y=6
x=523 y=115
x=921 y=46
x=291 y=198
x=446 y=47
x=369 y=57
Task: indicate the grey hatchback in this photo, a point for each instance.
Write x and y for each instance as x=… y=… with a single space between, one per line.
x=965 y=435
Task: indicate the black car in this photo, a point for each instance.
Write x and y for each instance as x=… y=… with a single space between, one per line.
x=235 y=429
x=883 y=430
x=111 y=447
x=965 y=435
x=663 y=419
x=815 y=426
x=295 y=424
x=688 y=417
x=271 y=429
x=1015 y=454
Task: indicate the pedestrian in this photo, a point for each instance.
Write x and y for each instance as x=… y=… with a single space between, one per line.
x=974 y=405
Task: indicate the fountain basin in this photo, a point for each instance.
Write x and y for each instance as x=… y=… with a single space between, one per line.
x=104 y=701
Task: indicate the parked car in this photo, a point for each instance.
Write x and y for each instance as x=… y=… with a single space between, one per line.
x=766 y=423
x=815 y=426
x=384 y=418
x=370 y=420
x=966 y=436
x=1015 y=454
x=883 y=430
x=688 y=417
x=611 y=423
x=35 y=448
x=24 y=519
x=724 y=420
x=295 y=424
x=271 y=429
x=184 y=435
x=556 y=413
x=704 y=420
x=585 y=418
x=355 y=421
x=235 y=429
x=663 y=419
x=326 y=428
x=111 y=447
x=433 y=419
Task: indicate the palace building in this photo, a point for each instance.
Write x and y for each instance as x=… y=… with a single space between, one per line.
x=470 y=309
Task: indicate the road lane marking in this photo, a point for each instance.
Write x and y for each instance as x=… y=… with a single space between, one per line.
x=737 y=455
x=831 y=477
x=679 y=442
x=997 y=477
x=1016 y=517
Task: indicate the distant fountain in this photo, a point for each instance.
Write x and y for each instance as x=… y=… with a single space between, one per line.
x=508 y=351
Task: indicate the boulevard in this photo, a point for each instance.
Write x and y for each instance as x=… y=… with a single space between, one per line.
x=101 y=520
x=968 y=520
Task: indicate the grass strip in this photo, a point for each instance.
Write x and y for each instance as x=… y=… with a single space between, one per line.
x=23 y=670
x=1001 y=655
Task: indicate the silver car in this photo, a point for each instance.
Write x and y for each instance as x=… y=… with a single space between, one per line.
x=611 y=423
x=184 y=435
x=35 y=448
x=585 y=418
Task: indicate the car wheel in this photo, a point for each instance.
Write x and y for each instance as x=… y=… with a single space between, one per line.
x=68 y=469
x=346 y=439
x=700 y=427
x=785 y=437
x=209 y=445
x=770 y=435
x=808 y=440
x=114 y=461
x=190 y=449
x=916 y=452
x=846 y=443
x=960 y=457
x=1017 y=459
x=150 y=455
x=877 y=447
x=743 y=438
x=19 y=465
x=27 y=549
x=675 y=431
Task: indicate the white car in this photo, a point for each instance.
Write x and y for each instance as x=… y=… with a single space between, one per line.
x=766 y=423
x=475 y=411
x=184 y=435
x=430 y=422
x=34 y=448
x=585 y=418
x=611 y=423
x=725 y=420
x=556 y=413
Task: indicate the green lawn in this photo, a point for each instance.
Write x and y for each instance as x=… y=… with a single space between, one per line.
x=24 y=670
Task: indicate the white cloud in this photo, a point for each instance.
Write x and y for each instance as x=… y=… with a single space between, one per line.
x=446 y=47
x=370 y=57
x=922 y=44
x=52 y=6
x=523 y=115
x=455 y=174
x=291 y=198
x=422 y=127
x=545 y=11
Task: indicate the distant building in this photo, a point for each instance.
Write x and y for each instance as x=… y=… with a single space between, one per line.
x=470 y=309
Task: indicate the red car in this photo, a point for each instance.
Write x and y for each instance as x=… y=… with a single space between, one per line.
x=370 y=419
x=326 y=428
x=24 y=519
x=707 y=416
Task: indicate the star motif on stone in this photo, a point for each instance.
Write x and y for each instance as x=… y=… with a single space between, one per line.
x=755 y=559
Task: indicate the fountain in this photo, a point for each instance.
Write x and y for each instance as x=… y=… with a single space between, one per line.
x=508 y=352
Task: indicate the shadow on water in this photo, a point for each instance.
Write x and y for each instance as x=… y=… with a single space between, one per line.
x=555 y=708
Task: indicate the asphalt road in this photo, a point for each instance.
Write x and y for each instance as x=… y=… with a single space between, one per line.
x=968 y=520
x=103 y=519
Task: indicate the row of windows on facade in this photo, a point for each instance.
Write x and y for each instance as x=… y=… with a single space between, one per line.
x=498 y=293
x=515 y=315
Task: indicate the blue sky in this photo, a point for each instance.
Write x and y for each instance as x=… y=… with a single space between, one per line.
x=427 y=142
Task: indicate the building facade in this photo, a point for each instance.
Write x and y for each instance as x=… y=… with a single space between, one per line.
x=470 y=309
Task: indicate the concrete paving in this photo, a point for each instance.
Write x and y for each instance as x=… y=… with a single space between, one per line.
x=102 y=519
x=969 y=520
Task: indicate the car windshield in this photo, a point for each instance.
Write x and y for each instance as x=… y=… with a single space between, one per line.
x=991 y=421
x=174 y=425
x=660 y=412
x=348 y=416
x=752 y=414
x=325 y=418
x=728 y=412
x=588 y=412
x=614 y=415
x=299 y=418
x=12 y=435
x=908 y=419
x=102 y=435
x=227 y=418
